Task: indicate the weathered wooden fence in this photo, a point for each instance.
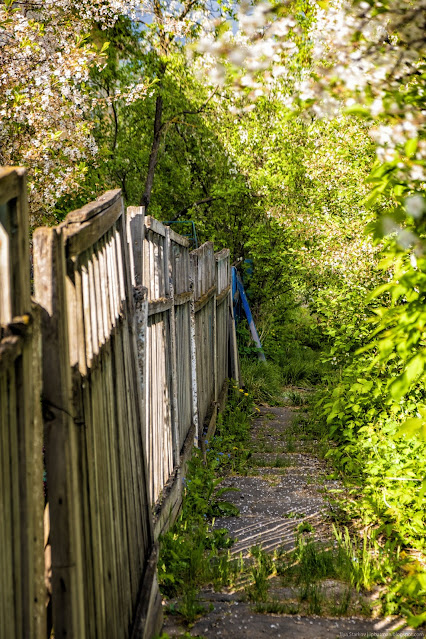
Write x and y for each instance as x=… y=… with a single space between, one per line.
x=168 y=390
x=184 y=365
x=127 y=347
x=22 y=600
x=101 y=531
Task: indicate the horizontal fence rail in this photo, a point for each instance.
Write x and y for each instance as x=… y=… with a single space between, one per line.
x=107 y=379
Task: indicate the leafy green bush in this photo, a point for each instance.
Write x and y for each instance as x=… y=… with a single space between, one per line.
x=374 y=411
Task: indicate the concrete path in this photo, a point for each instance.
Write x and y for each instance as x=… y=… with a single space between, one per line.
x=284 y=491
x=287 y=485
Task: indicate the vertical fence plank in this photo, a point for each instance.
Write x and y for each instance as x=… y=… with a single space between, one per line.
x=204 y=277
x=135 y=238
x=31 y=424
x=169 y=292
x=9 y=587
x=68 y=604
x=223 y=318
x=22 y=596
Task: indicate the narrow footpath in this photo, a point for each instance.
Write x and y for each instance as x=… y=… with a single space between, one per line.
x=285 y=502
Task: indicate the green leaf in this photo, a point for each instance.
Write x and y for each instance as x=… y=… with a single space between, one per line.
x=358 y=109
x=399 y=189
x=414 y=426
x=416 y=620
x=412 y=371
x=379 y=290
x=411 y=147
x=372 y=199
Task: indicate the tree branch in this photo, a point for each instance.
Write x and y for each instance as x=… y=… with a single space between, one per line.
x=197 y=112
x=187 y=8
x=206 y=200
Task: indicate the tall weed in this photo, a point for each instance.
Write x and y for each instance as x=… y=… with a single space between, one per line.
x=263 y=380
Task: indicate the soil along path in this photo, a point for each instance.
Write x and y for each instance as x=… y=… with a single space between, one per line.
x=297 y=583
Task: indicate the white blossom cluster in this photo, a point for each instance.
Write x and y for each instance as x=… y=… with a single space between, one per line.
x=175 y=21
x=373 y=55
x=47 y=100
x=45 y=57
x=258 y=43
x=367 y=55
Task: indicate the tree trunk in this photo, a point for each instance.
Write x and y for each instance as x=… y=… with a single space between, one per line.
x=153 y=156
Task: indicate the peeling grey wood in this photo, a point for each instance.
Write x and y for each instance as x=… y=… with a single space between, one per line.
x=140 y=295
x=169 y=290
x=106 y=532
x=135 y=237
x=14 y=245
x=160 y=306
x=60 y=435
x=81 y=235
x=155 y=226
x=22 y=596
x=234 y=372
x=194 y=386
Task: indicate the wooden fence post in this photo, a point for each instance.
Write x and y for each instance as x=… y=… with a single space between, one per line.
x=203 y=267
x=60 y=436
x=234 y=364
x=135 y=238
x=194 y=387
x=23 y=593
x=173 y=365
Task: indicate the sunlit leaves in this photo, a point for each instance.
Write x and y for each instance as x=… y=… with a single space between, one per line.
x=412 y=371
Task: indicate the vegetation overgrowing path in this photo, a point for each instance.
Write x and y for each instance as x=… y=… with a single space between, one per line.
x=297 y=578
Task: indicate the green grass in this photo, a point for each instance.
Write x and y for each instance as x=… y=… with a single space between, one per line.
x=358 y=562
x=262 y=568
x=263 y=380
x=296 y=398
x=290 y=444
x=308 y=570
x=193 y=553
x=299 y=364
x=275 y=607
x=277 y=462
